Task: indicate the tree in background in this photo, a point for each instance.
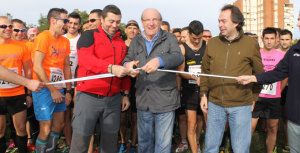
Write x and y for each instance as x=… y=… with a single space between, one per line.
x=9 y=16
x=83 y=14
x=295 y=41
x=122 y=29
x=43 y=23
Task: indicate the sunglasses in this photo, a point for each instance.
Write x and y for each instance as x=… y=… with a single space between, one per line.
x=4 y=26
x=93 y=20
x=18 y=30
x=65 y=20
x=206 y=36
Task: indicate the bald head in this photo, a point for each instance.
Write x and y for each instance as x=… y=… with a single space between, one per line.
x=151 y=11
x=151 y=20
x=132 y=21
x=4 y=18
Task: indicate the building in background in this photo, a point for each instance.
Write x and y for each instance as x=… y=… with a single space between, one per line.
x=260 y=14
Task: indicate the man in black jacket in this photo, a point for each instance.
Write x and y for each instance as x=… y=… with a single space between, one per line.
x=289 y=67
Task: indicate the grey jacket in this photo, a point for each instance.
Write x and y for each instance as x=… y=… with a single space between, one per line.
x=157 y=91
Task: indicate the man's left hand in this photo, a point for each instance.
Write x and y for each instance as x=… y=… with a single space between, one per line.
x=68 y=99
x=125 y=103
x=151 y=66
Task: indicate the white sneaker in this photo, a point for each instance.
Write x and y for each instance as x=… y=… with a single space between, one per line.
x=182 y=147
x=198 y=148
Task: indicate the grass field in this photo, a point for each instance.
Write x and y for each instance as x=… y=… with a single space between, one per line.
x=257 y=144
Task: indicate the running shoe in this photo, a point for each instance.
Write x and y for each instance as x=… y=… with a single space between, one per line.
x=123 y=148
x=11 y=146
x=221 y=150
x=198 y=148
x=96 y=150
x=30 y=146
x=286 y=149
x=182 y=147
x=132 y=149
x=275 y=149
x=14 y=150
x=61 y=143
x=66 y=149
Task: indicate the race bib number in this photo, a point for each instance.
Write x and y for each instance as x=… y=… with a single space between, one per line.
x=56 y=74
x=194 y=69
x=8 y=85
x=269 y=89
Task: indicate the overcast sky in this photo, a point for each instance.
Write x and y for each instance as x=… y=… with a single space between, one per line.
x=177 y=12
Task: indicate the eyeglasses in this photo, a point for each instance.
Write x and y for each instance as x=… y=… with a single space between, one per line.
x=154 y=20
x=4 y=26
x=18 y=30
x=65 y=20
x=206 y=36
x=93 y=20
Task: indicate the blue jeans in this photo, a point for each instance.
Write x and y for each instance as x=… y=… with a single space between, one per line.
x=239 y=123
x=158 y=126
x=294 y=136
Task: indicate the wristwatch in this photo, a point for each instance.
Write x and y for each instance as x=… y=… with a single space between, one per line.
x=30 y=95
x=125 y=95
x=69 y=91
x=203 y=94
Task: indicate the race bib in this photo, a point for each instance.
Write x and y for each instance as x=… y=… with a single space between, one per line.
x=194 y=69
x=8 y=85
x=269 y=89
x=56 y=74
x=73 y=65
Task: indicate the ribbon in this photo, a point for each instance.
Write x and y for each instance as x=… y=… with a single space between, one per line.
x=107 y=75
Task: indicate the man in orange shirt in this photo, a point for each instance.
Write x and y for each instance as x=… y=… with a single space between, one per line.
x=51 y=63
x=12 y=97
x=32 y=124
x=18 y=34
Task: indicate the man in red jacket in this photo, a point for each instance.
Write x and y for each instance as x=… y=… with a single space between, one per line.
x=100 y=51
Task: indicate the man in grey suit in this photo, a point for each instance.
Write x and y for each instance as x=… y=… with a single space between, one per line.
x=156 y=92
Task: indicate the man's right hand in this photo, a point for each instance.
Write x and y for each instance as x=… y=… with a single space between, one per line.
x=130 y=67
x=246 y=79
x=56 y=96
x=119 y=71
x=204 y=104
x=34 y=85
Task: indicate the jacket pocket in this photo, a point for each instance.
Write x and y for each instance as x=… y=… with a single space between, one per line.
x=167 y=96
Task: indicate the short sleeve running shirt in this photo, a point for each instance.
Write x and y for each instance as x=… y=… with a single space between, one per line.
x=55 y=50
x=12 y=56
x=269 y=61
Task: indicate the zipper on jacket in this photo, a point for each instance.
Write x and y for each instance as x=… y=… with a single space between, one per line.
x=225 y=68
x=112 y=78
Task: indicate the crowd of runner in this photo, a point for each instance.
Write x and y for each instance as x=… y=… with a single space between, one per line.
x=75 y=116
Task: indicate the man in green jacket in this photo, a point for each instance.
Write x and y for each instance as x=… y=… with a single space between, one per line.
x=231 y=53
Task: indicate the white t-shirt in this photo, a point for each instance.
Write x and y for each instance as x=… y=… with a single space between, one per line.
x=73 y=54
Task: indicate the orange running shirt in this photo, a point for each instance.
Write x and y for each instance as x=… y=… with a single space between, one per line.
x=55 y=52
x=29 y=46
x=12 y=56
